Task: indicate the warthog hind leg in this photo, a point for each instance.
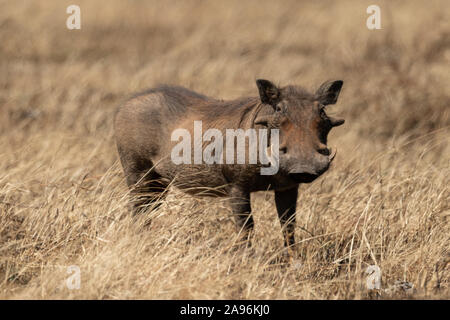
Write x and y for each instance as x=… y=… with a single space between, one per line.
x=147 y=186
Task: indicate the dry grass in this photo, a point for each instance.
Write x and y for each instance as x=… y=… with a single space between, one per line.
x=63 y=200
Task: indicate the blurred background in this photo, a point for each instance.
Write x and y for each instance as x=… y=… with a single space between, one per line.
x=61 y=184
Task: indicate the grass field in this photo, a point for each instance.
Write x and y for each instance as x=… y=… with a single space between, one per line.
x=63 y=198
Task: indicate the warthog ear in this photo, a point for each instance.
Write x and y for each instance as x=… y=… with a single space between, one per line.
x=328 y=92
x=268 y=92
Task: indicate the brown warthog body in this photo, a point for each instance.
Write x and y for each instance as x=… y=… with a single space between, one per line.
x=144 y=126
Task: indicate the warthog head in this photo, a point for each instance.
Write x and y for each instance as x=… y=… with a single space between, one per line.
x=303 y=126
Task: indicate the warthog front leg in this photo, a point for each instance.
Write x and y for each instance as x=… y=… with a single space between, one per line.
x=286 y=202
x=240 y=205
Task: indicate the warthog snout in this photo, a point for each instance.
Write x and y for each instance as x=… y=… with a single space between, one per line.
x=319 y=165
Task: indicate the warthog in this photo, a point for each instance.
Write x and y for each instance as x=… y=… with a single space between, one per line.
x=145 y=123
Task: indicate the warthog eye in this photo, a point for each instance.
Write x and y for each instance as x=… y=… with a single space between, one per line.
x=279 y=107
x=325 y=126
x=323 y=115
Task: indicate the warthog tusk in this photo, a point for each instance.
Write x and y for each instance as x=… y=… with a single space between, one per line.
x=333 y=154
